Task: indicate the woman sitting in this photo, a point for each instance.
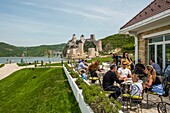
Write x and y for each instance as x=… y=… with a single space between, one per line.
x=95 y=66
x=153 y=83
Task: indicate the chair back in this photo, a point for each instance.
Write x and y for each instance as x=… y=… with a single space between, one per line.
x=136 y=90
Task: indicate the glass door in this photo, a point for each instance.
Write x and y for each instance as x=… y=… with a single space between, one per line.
x=151 y=52
x=159 y=56
x=167 y=54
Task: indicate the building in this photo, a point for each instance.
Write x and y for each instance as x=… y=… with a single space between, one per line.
x=75 y=48
x=151 y=29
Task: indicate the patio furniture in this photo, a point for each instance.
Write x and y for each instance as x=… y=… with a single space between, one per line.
x=109 y=92
x=132 y=95
x=152 y=93
x=162 y=107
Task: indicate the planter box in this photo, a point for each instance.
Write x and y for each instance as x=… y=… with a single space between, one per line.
x=77 y=93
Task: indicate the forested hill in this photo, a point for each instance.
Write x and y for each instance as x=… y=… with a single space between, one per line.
x=7 y=50
x=123 y=41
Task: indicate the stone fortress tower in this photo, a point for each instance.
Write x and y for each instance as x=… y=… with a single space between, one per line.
x=99 y=45
x=81 y=47
x=76 y=47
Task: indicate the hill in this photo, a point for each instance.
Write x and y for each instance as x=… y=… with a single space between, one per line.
x=123 y=41
x=7 y=50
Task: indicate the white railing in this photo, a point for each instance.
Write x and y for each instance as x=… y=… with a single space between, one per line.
x=85 y=108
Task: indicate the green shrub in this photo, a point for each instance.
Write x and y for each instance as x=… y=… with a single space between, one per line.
x=79 y=81
x=1 y=65
x=96 y=98
x=74 y=74
x=68 y=68
x=25 y=64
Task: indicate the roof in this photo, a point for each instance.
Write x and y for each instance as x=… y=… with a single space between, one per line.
x=154 y=8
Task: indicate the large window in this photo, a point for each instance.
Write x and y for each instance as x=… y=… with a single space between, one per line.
x=159 y=50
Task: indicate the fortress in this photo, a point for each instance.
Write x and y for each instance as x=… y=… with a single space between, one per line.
x=83 y=48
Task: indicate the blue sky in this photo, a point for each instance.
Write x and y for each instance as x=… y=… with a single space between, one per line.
x=38 y=22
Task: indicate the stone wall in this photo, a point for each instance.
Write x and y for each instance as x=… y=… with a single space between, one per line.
x=143 y=43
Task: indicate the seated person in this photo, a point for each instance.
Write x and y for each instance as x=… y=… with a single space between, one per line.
x=123 y=71
x=155 y=66
x=85 y=63
x=79 y=60
x=108 y=81
x=139 y=67
x=152 y=78
x=167 y=73
x=82 y=66
x=136 y=88
x=153 y=83
x=95 y=66
x=83 y=75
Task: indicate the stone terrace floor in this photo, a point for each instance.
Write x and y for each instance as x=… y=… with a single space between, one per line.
x=152 y=108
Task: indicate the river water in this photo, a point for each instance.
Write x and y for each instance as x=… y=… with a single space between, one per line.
x=29 y=59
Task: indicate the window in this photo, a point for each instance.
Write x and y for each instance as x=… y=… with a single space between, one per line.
x=167 y=37
x=158 y=39
x=151 y=51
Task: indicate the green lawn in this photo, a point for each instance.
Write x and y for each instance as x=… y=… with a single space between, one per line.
x=54 y=64
x=1 y=65
x=40 y=90
x=107 y=59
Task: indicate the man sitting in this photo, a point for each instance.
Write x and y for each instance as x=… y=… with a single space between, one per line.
x=156 y=67
x=124 y=72
x=139 y=67
x=108 y=81
x=167 y=73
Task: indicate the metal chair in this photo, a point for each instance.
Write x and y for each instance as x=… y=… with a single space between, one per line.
x=162 y=107
x=152 y=93
x=134 y=96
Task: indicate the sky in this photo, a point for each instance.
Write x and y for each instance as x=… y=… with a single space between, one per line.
x=47 y=22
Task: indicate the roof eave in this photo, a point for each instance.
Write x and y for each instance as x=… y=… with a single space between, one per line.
x=145 y=22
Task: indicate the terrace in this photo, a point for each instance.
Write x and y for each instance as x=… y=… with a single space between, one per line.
x=152 y=106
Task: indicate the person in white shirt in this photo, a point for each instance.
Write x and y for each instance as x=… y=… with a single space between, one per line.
x=124 y=72
x=136 y=87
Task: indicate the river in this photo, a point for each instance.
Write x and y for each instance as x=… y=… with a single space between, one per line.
x=29 y=59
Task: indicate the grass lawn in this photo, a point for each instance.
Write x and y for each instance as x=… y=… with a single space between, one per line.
x=1 y=65
x=54 y=64
x=107 y=59
x=42 y=90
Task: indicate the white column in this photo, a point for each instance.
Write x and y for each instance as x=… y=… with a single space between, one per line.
x=136 y=45
x=136 y=49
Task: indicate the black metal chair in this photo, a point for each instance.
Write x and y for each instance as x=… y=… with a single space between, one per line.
x=163 y=107
x=134 y=95
x=152 y=93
